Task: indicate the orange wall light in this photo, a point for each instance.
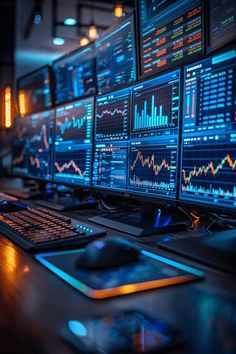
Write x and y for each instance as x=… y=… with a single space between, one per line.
x=7 y=107
x=22 y=103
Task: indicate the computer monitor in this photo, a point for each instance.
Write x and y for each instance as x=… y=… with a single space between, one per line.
x=222 y=27
x=171 y=32
x=209 y=132
x=73 y=143
x=34 y=91
x=19 y=146
x=143 y=159
x=40 y=145
x=75 y=75
x=116 y=56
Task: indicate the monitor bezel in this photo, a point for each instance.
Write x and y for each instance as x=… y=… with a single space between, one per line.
x=65 y=57
x=66 y=183
x=31 y=73
x=174 y=66
x=132 y=17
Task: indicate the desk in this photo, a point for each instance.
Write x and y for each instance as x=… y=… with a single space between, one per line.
x=34 y=303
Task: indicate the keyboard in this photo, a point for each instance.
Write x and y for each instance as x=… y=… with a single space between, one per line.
x=37 y=229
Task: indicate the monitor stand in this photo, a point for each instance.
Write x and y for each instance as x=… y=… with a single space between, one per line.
x=149 y=220
x=67 y=203
x=217 y=249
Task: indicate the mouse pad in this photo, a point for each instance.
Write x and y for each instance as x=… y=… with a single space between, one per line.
x=150 y=271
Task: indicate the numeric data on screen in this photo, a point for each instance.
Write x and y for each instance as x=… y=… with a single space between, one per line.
x=171 y=32
x=110 y=165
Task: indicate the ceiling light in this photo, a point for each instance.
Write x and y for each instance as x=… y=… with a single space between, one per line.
x=58 y=41
x=84 y=41
x=70 y=21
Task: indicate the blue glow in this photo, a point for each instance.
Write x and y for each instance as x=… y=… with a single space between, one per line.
x=172 y=263
x=58 y=41
x=37 y=19
x=77 y=328
x=100 y=244
x=70 y=21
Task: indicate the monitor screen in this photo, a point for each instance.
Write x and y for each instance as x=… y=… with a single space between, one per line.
x=73 y=142
x=154 y=136
x=34 y=92
x=74 y=75
x=222 y=22
x=116 y=56
x=40 y=146
x=19 y=146
x=145 y=163
x=171 y=32
x=209 y=132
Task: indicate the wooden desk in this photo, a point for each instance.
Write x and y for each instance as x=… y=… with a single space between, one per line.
x=35 y=304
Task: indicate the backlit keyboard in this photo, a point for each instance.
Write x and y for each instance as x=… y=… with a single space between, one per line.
x=37 y=229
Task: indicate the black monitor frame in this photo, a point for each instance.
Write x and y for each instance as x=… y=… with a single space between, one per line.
x=49 y=68
x=65 y=57
x=174 y=66
x=107 y=32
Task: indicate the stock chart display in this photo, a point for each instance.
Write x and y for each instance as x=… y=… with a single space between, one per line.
x=75 y=75
x=74 y=122
x=116 y=57
x=110 y=165
x=209 y=131
x=112 y=116
x=156 y=105
x=222 y=22
x=171 y=33
x=152 y=167
x=20 y=146
x=40 y=144
x=73 y=164
x=73 y=143
x=35 y=90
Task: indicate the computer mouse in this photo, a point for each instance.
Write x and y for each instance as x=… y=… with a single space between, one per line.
x=7 y=206
x=107 y=253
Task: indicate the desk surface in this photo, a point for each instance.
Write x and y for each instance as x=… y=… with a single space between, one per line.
x=35 y=304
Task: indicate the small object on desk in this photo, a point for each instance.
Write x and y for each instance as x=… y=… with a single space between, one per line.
x=7 y=206
x=37 y=229
x=107 y=253
x=127 y=332
x=4 y=196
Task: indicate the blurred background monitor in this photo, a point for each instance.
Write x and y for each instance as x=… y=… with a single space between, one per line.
x=116 y=56
x=75 y=75
x=34 y=91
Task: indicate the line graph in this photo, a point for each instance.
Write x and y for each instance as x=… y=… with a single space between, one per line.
x=39 y=164
x=40 y=138
x=71 y=123
x=73 y=165
x=74 y=124
x=214 y=174
x=112 y=118
x=153 y=168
